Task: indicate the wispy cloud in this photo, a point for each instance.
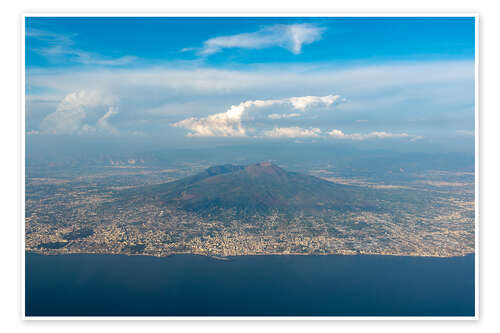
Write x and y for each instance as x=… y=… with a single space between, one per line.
x=291 y=37
x=58 y=46
x=229 y=123
x=283 y=115
x=300 y=132
x=372 y=135
x=50 y=37
x=382 y=81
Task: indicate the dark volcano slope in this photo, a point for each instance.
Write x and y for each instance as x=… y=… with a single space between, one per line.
x=256 y=188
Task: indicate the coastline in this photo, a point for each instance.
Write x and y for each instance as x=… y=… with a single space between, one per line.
x=228 y=258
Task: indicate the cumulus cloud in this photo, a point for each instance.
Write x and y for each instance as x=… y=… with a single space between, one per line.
x=301 y=103
x=221 y=124
x=152 y=96
x=80 y=112
x=291 y=37
x=229 y=123
x=372 y=135
x=292 y=132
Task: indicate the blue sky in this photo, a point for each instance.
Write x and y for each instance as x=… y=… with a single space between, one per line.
x=344 y=39
x=345 y=79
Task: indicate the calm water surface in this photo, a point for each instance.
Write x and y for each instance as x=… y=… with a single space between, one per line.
x=189 y=285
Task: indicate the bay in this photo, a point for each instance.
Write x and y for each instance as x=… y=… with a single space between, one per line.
x=191 y=285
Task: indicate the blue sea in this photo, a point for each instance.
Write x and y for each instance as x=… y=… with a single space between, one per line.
x=190 y=285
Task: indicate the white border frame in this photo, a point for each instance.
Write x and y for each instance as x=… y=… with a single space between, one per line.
x=229 y=13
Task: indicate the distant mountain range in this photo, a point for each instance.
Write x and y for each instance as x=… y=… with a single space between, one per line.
x=255 y=188
x=46 y=158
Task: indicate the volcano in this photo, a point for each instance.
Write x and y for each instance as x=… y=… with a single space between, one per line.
x=255 y=188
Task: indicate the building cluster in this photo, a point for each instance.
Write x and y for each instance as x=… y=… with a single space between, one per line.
x=435 y=223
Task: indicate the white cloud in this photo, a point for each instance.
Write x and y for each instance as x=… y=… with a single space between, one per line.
x=283 y=115
x=219 y=124
x=291 y=37
x=301 y=103
x=386 y=94
x=50 y=37
x=377 y=85
x=81 y=112
x=229 y=123
x=102 y=122
x=292 y=132
x=372 y=135
x=62 y=46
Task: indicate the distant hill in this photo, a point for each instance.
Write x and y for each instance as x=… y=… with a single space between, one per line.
x=255 y=188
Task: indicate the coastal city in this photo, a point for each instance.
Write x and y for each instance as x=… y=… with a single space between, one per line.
x=424 y=217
